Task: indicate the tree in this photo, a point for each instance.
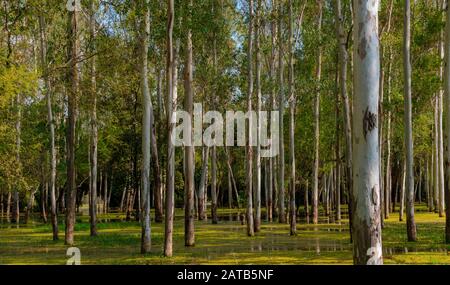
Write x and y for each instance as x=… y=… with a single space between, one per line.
x=94 y=129
x=410 y=223
x=73 y=90
x=315 y=202
x=281 y=206
x=367 y=248
x=447 y=122
x=189 y=211
x=249 y=148
x=51 y=124
x=292 y=207
x=258 y=109
x=146 y=127
x=171 y=101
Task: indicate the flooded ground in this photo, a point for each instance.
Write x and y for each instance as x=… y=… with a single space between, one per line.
x=224 y=243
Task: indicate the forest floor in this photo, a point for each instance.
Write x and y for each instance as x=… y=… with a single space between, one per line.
x=118 y=242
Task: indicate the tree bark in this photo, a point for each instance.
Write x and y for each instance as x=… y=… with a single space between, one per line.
x=171 y=105
x=315 y=202
x=281 y=206
x=189 y=210
x=94 y=130
x=258 y=127
x=367 y=247
x=73 y=81
x=250 y=226
x=292 y=98
x=410 y=223
x=144 y=33
x=447 y=122
x=51 y=124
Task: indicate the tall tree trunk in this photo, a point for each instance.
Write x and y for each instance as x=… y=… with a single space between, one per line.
x=258 y=127
x=440 y=137
x=189 y=210
x=272 y=160
x=249 y=180
x=51 y=124
x=388 y=179
x=367 y=248
x=292 y=207
x=281 y=207
x=94 y=131
x=410 y=223
x=343 y=59
x=315 y=202
x=447 y=123
x=73 y=81
x=144 y=33
x=171 y=101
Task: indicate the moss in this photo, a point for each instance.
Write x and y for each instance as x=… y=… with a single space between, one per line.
x=224 y=243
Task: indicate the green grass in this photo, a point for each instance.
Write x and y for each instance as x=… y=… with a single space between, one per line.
x=118 y=242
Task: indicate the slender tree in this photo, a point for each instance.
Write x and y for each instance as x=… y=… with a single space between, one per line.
x=315 y=202
x=51 y=124
x=73 y=90
x=189 y=211
x=144 y=33
x=410 y=223
x=249 y=148
x=258 y=109
x=94 y=131
x=281 y=206
x=292 y=98
x=170 y=173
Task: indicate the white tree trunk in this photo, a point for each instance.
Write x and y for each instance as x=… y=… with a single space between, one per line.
x=367 y=248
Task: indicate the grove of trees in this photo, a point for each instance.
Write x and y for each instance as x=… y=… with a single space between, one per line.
x=89 y=91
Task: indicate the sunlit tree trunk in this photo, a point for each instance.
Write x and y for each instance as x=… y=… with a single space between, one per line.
x=410 y=223
x=441 y=207
x=367 y=248
x=144 y=33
